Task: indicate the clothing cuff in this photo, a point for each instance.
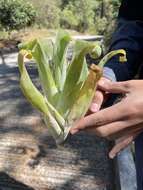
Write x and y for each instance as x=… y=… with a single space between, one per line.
x=109 y=73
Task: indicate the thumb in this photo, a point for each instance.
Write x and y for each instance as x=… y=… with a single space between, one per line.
x=115 y=87
x=99 y=97
x=97 y=102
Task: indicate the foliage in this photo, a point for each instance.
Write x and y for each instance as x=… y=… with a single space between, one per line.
x=16 y=14
x=68 y=86
x=68 y=18
x=87 y=16
x=116 y=4
x=92 y=16
x=48 y=13
x=78 y=15
x=106 y=12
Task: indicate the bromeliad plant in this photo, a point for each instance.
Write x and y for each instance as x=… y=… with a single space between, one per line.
x=68 y=87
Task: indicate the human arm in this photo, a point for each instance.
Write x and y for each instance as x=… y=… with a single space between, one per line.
x=129 y=36
x=122 y=121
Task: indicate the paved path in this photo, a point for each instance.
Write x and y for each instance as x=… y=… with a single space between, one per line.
x=82 y=164
x=8 y=59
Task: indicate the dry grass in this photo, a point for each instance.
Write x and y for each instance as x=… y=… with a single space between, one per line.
x=26 y=35
x=32 y=33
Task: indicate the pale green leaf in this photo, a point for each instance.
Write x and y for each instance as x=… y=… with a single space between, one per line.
x=47 y=81
x=108 y=56
x=35 y=97
x=59 y=59
x=76 y=75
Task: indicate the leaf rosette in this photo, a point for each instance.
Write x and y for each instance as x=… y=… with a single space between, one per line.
x=68 y=87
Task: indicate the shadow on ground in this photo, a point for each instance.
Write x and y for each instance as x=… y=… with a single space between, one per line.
x=8 y=182
x=82 y=163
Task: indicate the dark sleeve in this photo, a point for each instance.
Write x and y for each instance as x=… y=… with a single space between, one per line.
x=128 y=36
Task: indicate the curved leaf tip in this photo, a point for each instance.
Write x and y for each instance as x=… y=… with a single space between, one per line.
x=108 y=56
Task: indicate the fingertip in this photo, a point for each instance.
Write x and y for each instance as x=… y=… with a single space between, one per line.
x=74 y=131
x=94 y=107
x=112 y=155
x=101 y=82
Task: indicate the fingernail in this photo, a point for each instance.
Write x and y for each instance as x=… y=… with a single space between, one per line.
x=74 y=131
x=94 y=107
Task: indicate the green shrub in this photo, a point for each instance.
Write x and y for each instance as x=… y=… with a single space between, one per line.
x=78 y=15
x=68 y=17
x=16 y=14
x=48 y=13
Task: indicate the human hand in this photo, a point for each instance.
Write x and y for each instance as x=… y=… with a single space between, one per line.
x=122 y=121
x=99 y=98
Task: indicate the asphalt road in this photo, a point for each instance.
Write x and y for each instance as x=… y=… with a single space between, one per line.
x=90 y=163
x=90 y=159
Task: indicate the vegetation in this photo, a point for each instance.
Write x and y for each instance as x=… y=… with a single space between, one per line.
x=48 y=13
x=81 y=15
x=84 y=16
x=16 y=14
x=92 y=16
x=68 y=85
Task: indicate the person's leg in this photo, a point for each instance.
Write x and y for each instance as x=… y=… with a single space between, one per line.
x=126 y=170
x=139 y=160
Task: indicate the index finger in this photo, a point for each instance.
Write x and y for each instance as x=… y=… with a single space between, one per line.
x=114 y=113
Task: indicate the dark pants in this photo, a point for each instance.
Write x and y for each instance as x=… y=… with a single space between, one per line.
x=139 y=160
